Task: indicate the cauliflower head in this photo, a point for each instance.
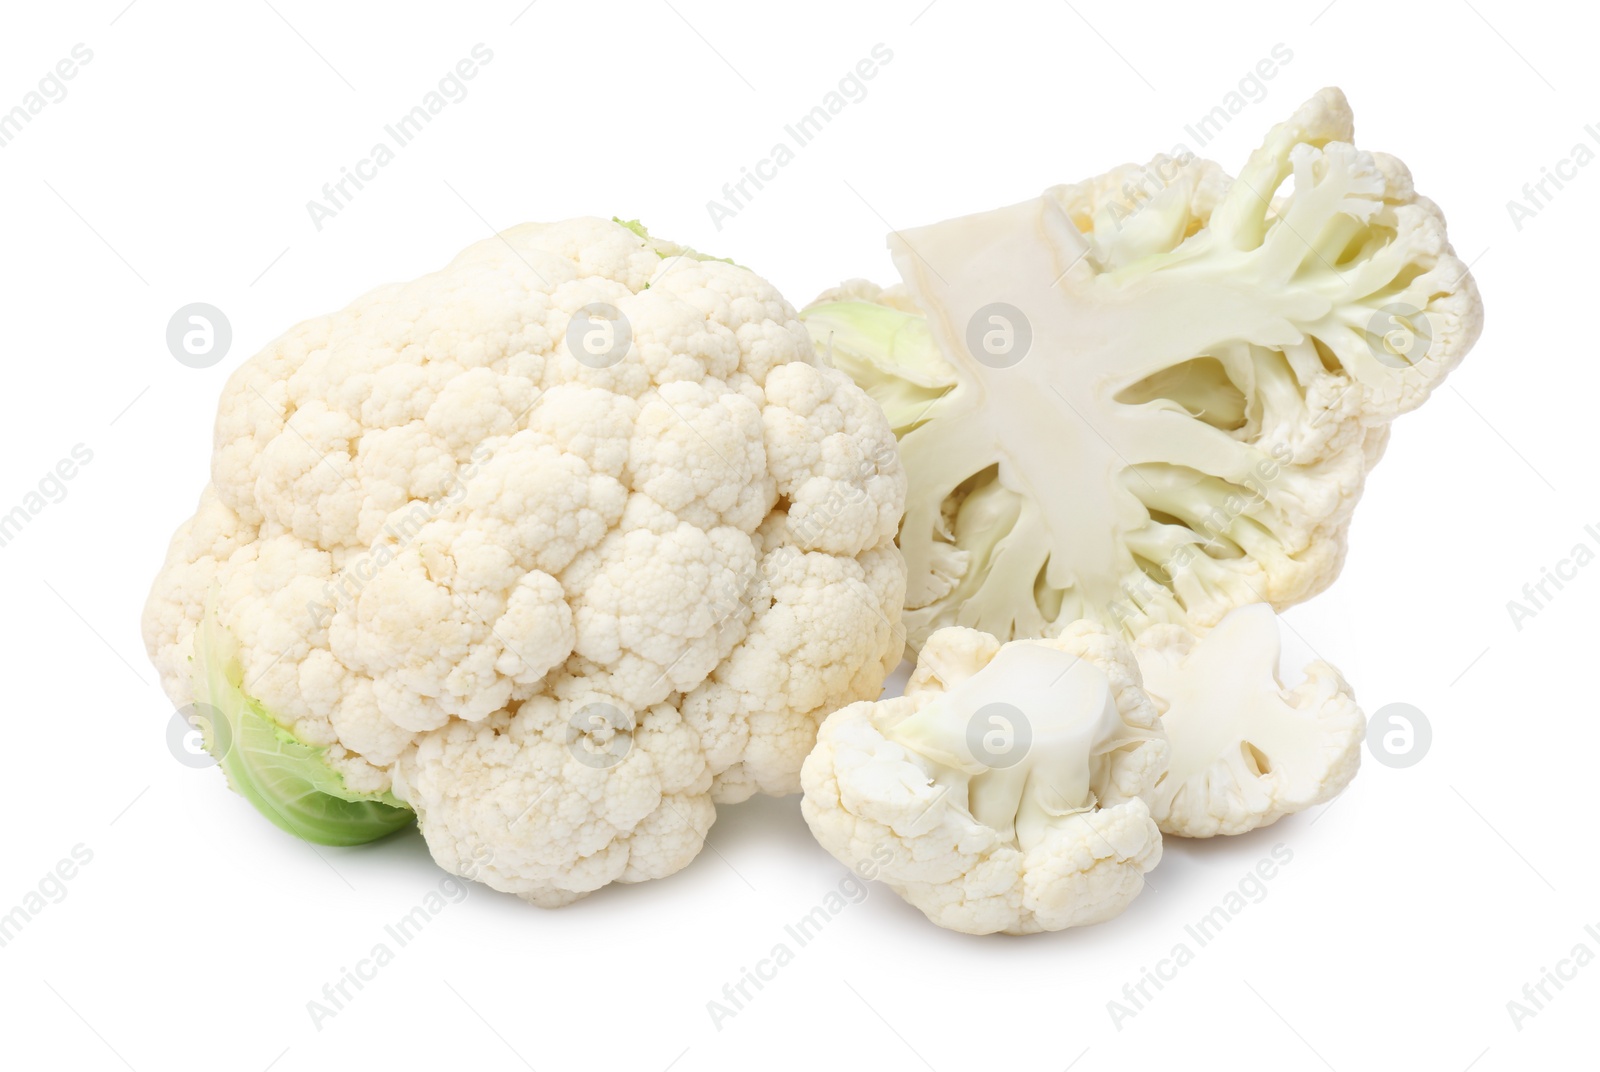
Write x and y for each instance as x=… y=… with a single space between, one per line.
x=1008 y=789
x=555 y=546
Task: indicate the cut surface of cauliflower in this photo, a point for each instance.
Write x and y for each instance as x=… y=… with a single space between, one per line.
x=1008 y=789
x=1246 y=749
x=1153 y=397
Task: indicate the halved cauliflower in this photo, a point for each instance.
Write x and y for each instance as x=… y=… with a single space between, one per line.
x=1154 y=396
x=1008 y=789
x=555 y=546
x=1173 y=412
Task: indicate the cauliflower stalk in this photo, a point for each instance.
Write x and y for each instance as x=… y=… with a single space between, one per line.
x=556 y=546
x=1008 y=789
x=1151 y=414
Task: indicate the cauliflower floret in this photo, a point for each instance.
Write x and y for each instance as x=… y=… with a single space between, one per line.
x=562 y=797
x=1007 y=790
x=445 y=527
x=1246 y=750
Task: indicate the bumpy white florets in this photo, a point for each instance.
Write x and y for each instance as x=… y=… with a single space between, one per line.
x=562 y=589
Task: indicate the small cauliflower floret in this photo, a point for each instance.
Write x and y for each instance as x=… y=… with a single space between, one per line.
x=1008 y=788
x=1246 y=750
x=450 y=523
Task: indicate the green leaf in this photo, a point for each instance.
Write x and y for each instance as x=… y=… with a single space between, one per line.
x=284 y=778
x=664 y=249
x=633 y=225
x=889 y=353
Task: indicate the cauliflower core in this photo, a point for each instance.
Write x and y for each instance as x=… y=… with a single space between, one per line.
x=557 y=590
x=1009 y=788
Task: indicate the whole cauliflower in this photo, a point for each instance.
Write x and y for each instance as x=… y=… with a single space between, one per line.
x=1007 y=790
x=556 y=546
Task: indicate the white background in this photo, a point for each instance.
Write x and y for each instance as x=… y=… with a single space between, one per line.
x=177 y=170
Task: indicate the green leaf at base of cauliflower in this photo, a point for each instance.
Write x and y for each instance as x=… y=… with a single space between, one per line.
x=287 y=780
